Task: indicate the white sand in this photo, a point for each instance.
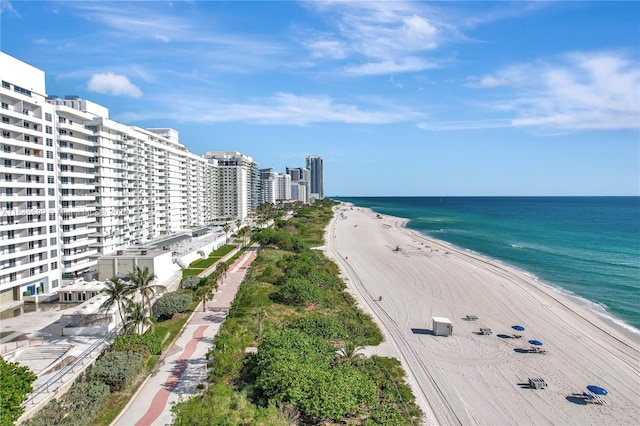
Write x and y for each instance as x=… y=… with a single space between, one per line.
x=469 y=378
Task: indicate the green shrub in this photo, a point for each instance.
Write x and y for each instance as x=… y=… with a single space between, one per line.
x=316 y=325
x=146 y=344
x=171 y=303
x=190 y=282
x=116 y=369
x=337 y=393
x=78 y=407
x=16 y=385
x=298 y=291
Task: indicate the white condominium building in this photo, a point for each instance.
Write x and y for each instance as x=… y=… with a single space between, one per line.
x=238 y=184
x=300 y=188
x=283 y=186
x=268 y=184
x=29 y=237
x=75 y=185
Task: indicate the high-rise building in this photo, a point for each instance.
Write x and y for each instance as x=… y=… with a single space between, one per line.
x=300 y=184
x=238 y=184
x=268 y=186
x=316 y=166
x=283 y=186
x=75 y=185
x=29 y=227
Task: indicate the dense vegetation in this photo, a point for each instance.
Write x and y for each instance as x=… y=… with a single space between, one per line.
x=99 y=394
x=15 y=385
x=289 y=351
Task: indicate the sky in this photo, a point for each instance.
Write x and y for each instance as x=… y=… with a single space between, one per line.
x=399 y=98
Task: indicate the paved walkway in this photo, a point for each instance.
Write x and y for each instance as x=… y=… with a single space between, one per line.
x=185 y=364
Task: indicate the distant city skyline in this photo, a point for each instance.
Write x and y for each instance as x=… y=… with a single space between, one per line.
x=399 y=98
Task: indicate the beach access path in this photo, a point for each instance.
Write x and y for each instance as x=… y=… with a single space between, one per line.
x=185 y=365
x=403 y=279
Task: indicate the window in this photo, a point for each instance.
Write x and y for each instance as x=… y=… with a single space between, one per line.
x=6 y=85
x=54 y=284
x=50 y=179
x=54 y=265
x=21 y=90
x=49 y=154
x=49 y=167
x=48 y=129
x=49 y=142
x=52 y=216
x=52 y=241
x=47 y=116
x=52 y=229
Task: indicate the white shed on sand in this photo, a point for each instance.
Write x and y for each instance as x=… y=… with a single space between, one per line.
x=442 y=326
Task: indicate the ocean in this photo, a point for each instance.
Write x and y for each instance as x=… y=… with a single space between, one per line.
x=587 y=247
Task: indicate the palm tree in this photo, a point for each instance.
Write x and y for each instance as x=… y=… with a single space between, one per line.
x=222 y=267
x=136 y=318
x=205 y=293
x=116 y=291
x=225 y=228
x=140 y=283
x=349 y=352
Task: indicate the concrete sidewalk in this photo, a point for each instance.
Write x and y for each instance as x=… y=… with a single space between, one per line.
x=185 y=366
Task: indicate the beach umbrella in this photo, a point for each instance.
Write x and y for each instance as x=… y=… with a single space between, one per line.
x=518 y=327
x=535 y=342
x=597 y=390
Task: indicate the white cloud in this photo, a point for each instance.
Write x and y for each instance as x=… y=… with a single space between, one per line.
x=7 y=7
x=584 y=90
x=113 y=84
x=326 y=48
x=283 y=109
x=389 y=67
x=385 y=37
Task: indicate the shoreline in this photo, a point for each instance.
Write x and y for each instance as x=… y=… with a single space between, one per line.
x=607 y=317
x=468 y=378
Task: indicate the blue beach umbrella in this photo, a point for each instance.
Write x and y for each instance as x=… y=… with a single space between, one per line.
x=518 y=327
x=597 y=390
x=535 y=342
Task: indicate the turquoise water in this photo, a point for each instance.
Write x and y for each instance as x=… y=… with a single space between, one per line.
x=586 y=246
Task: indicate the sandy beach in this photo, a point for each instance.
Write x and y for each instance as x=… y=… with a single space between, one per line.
x=470 y=378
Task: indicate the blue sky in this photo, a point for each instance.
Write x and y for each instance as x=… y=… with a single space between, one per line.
x=400 y=98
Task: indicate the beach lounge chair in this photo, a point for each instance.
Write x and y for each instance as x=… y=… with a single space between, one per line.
x=471 y=317
x=485 y=330
x=537 y=350
x=592 y=398
x=537 y=383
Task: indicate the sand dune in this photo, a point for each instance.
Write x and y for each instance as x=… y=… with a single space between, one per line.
x=469 y=378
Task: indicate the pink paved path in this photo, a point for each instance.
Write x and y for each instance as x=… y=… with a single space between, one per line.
x=185 y=363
